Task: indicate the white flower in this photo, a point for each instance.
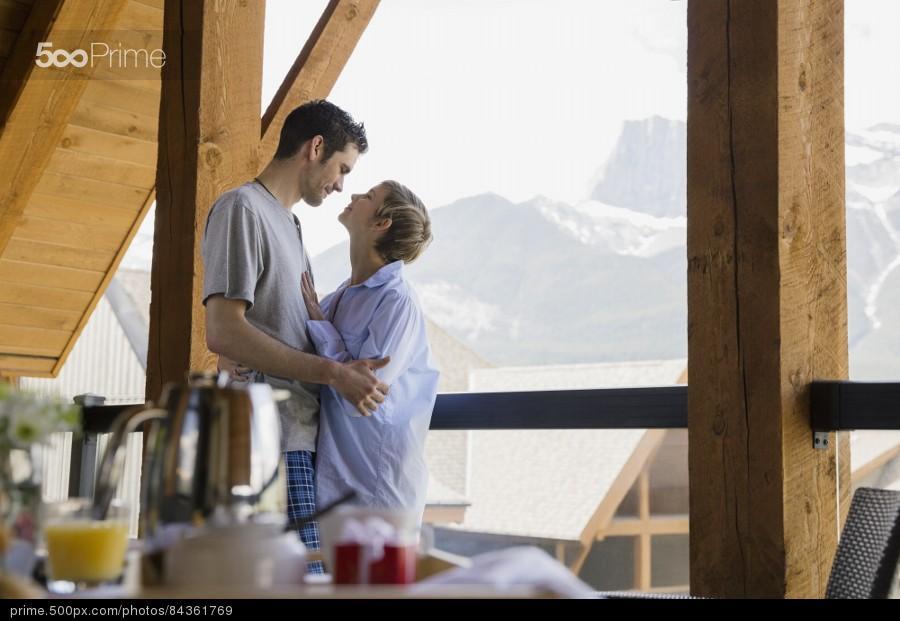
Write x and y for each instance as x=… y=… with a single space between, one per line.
x=28 y=425
x=27 y=419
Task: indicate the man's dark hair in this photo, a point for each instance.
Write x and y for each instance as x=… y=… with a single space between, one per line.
x=320 y=118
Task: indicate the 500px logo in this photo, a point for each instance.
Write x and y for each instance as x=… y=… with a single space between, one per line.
x=59 y=58
x=115 y=57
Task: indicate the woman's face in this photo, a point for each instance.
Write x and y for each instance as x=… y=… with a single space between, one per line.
x=359 y=216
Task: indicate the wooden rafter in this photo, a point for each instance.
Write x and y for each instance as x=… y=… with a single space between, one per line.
x=317 y=67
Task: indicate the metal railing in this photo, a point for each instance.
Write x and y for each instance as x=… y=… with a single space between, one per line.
x=835 y=406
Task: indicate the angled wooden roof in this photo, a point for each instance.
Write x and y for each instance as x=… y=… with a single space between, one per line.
x=79 y=155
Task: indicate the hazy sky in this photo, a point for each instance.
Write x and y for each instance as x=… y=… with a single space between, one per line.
x=523 y=97
x=520 y=98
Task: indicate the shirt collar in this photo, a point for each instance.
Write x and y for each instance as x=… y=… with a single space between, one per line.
x=391 y=272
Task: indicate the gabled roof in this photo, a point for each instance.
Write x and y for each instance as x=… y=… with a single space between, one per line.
x=553 y=484
x=543 y=483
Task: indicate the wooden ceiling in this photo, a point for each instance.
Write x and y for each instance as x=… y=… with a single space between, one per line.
x=63 y=244
x=79 y=155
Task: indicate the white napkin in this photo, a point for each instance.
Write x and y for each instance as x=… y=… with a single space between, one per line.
x=524 y=566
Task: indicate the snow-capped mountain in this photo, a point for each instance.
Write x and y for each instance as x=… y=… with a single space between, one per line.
x=508 y=280
x=618 y=229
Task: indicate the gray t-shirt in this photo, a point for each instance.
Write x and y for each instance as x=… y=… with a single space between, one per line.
x=253 y=251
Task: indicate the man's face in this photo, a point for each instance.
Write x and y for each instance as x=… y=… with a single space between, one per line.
x=327 y=176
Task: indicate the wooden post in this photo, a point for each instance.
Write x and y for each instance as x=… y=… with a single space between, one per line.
x=221 y=84
x=209 y=129
x=561 y=552
x=767 y=293
x=643 y=561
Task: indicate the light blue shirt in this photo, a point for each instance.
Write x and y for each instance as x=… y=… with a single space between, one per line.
x=380 y=457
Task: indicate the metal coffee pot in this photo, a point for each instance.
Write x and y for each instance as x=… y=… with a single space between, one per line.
x=211 y=456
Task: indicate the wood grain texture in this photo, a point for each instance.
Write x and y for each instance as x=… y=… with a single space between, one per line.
x=107 y=277
x=208 y=142
x=766 y=291
x=48 y=253
x=115 y=121
x=813 y=260
x=31 y=366
x=318 y=65
x=44 y=297
x=36 y=103
x=49 y=276
x=99 y=167
x=34 y=317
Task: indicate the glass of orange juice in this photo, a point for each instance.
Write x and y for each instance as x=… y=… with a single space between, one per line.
x=83 y=551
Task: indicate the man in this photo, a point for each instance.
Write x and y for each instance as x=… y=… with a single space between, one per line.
x=254 y=259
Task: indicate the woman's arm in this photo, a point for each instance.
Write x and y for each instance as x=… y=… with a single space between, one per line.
x=394 y=330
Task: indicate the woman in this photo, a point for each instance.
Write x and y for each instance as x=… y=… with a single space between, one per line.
x=375 y=314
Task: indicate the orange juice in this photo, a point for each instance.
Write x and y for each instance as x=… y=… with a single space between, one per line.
x=86 y=550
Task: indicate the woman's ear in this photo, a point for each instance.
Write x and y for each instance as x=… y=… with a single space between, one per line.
x=382 y=224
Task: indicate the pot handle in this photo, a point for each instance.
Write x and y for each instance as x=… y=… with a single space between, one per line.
x=113 y=462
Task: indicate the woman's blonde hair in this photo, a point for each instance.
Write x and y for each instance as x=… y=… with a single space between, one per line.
x=410 y=230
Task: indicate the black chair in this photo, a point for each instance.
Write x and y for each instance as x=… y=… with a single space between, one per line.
x=866 y=562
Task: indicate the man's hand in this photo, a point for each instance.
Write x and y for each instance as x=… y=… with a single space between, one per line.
x=310 y=298
x=357 y=383
x=236 y=371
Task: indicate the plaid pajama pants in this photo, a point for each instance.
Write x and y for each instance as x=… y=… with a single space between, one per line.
x=301 y=499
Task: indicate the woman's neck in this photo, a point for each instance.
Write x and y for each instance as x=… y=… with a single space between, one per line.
x=364 y=262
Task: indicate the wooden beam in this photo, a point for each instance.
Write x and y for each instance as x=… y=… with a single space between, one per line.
x=209 y=129
x=318 y=65
x=658 y=525
x=767 y=294
x=36 y=103
x=30 y=366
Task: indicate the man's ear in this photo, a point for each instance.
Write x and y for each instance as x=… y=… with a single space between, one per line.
x=316 y=147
